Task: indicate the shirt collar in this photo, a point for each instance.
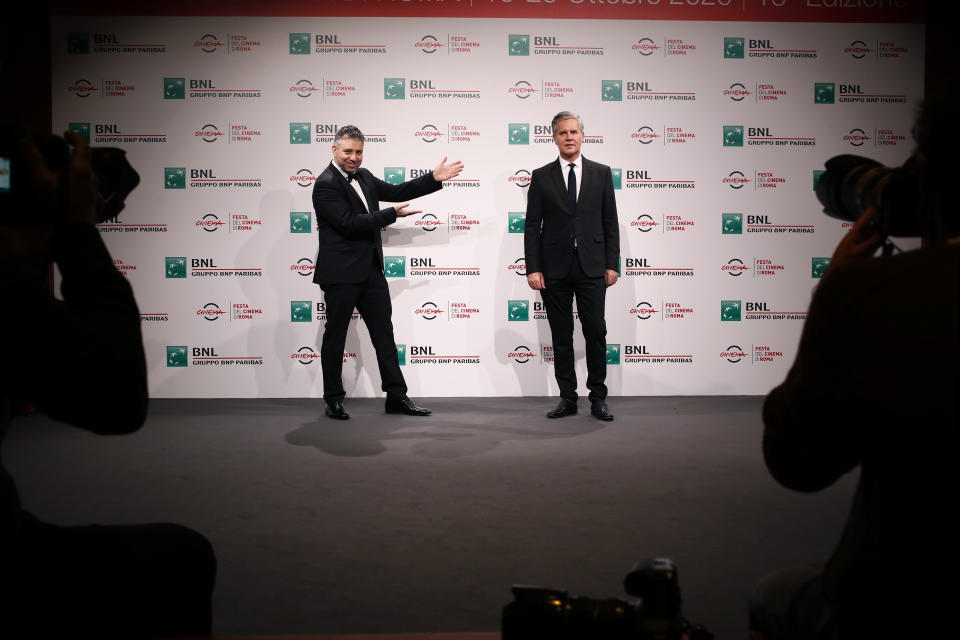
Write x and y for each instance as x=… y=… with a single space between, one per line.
x=578 y=162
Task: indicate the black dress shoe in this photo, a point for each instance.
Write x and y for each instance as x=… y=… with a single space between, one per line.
x=600 y=411
x=404 y=405
x=564 y=409
x=336 y=411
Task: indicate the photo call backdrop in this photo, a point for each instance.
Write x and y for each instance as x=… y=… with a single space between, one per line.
x=716 y=117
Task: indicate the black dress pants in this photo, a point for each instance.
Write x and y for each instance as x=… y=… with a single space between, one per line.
x=372 y=300
x=591 y=299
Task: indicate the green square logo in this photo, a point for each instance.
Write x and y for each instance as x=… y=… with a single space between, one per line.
x=175 y=178
x=300 y=311
x=402 y=354
x=177 y=356
x=617 y=177
x=518 y=44
x=516 y=221
x=611 y=90
x=176 y=267
x=518 y=310
x=395 y=266
x=394 y=175
x=823 y=92
x=730 y=311
x=816 y=176
x=732 y=224
x=78 y=42
x=394 y=88
x=299 y=133
x=300 y=221
x=732 y=135
x=174 y=88
x=818 y=266
x=82 y=129
x=613 y=354
x=299 y=44
x=518 y=133
x=733 y=48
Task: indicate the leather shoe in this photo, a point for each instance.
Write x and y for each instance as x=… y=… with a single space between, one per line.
x=564 y=409
x=404 y=405
x=336 y=411
x=600 y=411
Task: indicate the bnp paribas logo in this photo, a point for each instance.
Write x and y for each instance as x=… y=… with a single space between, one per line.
x=402 y=354
x=730 y=311
x=516 y=221
x=395 y=266
x=394 y=88
x=82 y=129
x=300 y=311
x=732 y=224
x=394 y=175
x=177 y=356
x=299 y=44
x=518 y=44
x=818 y=266
x=611 y=90
x=300 y=221
x=518 y=310
x=299 y=133
x=816 y=176
x=174 y=88
x=78 y=42
x=823 y=92
x=732 y=135
x=176 y=267
x=732 y=48
x=518 y=133
x=613 y=354
x=617 y=177
x=175 y=178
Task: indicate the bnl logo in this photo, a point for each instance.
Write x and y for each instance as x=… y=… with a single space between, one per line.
x=394 y=175
x=617 y=177
x=78 y=42
x=732 y=135
x=300 y=311
x=82 y=129
x=518 y=44
x=175 y=178
x=818 y=266
x=395 y=266
x=402 y=354
x=733 y=48
x=518 y=133
x=299 y=133
x=300 y=221
x=394 y=88
x=732 y=223
x=730 y=311
x=299 y=44
x=176 y=267
x=518 y=310
x=823 y=92
x=177 y=356
x=174 y=88
x=816 y=176
x=613 y=354
x=611 y=90
x=517 y=221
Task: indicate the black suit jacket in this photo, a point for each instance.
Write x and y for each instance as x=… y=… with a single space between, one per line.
x=349 y=235
x=552 y=224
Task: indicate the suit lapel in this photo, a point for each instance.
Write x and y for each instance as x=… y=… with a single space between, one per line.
x=556 y=174
x=345 y=186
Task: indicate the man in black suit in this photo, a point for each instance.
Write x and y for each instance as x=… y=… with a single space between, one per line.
x=572 y=246
x=349 y=266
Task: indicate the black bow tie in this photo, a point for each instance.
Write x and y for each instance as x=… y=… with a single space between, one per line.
x=351 y=177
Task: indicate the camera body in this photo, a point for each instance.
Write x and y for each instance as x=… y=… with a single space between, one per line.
x=539 y=613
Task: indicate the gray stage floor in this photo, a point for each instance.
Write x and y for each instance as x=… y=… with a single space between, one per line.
x=400 y=524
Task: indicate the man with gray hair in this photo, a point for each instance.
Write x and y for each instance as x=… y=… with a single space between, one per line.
x=349 y=265
x=572 y=248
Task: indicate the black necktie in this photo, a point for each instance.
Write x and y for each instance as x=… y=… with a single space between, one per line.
x=572 y=185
